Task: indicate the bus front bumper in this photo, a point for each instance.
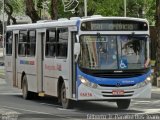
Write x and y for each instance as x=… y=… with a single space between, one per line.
x=112 y=93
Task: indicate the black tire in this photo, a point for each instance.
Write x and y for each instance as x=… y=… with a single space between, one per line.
x=66 y=103
x=25 y=93
x=123 y=103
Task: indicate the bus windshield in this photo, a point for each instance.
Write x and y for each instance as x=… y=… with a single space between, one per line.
x=113 y=52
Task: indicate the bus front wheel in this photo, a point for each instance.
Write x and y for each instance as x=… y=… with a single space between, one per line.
x=123 y=103
x=66 y=103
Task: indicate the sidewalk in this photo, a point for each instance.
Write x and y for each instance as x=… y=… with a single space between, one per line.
x=2 y=72
x=155 y=92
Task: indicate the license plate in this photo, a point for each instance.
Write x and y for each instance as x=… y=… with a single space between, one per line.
x=117 y=92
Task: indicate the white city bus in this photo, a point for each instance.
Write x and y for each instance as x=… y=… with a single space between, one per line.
x=94 y=58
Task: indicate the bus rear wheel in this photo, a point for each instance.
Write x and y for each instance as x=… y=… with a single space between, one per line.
x=66 y=103
x=26 y=94
x=123 y=103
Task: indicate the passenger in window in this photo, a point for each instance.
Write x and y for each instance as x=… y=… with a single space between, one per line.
x=27 y=49
x=51 y=50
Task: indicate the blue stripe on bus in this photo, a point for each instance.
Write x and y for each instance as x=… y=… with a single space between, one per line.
x=111 y=81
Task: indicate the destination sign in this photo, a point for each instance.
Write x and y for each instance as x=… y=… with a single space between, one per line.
x=114 y=25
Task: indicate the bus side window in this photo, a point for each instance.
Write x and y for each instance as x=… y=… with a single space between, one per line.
x=31 y=45
x=50 y=43
x=22 y=44
x=9 y=39
x=62 y=42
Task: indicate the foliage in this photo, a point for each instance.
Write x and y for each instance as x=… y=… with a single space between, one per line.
x=135 y=8
x=151 y=11
x=109 y=7
x=61 y=13
x=18 y=6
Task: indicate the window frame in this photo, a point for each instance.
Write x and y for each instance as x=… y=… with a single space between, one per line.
x=49 y=43
x=29 y=43
x=62 y=43
x=23 y=43
x=7 y=43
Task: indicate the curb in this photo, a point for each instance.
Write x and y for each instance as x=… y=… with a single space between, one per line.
x=155 y=95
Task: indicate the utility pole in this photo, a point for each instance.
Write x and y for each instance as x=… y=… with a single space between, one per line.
x=3 y=28
x=125 y=8
x=35 y=4
x=85 y=8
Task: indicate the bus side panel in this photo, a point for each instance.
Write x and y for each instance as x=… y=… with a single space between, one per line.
x=28 y=66
x=9 y=70
x=49 y=78
x=50 y=86
x=53 y=69
x=9 y=59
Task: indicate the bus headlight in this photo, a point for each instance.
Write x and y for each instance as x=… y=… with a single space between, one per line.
x=144 y=83
x=87 y=83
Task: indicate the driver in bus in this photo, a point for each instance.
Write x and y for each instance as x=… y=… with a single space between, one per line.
x=109 y=56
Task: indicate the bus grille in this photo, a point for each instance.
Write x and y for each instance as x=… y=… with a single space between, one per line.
x=127 y=85
x=117 y=75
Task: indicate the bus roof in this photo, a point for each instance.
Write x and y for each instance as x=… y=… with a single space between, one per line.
x=66 y=22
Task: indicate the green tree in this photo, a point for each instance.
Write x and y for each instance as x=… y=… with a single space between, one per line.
x=150 y=10
x=9 y=10
x=11 y=7
x=31 y=11
x=109 y=7
x=54 y=9
x=158 y=34
x=135 y=8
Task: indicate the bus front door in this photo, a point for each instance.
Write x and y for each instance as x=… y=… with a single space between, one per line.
x=15 y=49
x=73 y=65
x=40 y=58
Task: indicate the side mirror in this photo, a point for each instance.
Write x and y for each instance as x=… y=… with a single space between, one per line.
x=76 y=50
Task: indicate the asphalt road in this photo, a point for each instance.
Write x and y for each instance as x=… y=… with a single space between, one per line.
x=14 y=107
